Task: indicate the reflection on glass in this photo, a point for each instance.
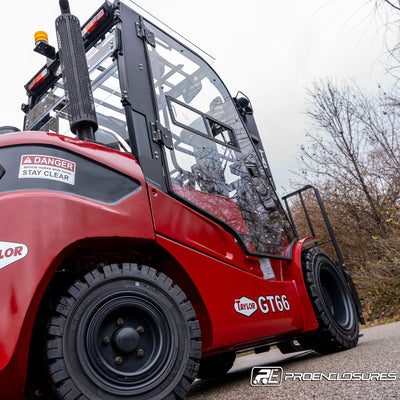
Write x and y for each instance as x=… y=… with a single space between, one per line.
x=187 y=117
x=214 y=164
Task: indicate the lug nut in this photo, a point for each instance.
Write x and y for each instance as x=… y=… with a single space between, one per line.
x=118 y=360
x=106 y=340
x=140 y=353
x=140 y=329
x=120 y=322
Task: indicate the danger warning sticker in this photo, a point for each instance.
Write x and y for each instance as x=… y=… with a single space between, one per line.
x=47 y=167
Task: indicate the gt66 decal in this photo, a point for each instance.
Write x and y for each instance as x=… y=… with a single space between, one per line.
x=273 y=303
x=11 y=252
x=248 y=307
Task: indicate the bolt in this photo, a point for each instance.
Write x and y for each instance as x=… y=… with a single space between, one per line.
x=140 y=329
x=120 y=322
x=106 y=340
x=118 y=360
x=140 y=353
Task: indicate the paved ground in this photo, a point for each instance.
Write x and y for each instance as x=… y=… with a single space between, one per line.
x=377 y=354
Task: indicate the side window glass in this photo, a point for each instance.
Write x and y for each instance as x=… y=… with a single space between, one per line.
x=221 y=133
x=213 y=163
x=186 y=117
x=193 y=120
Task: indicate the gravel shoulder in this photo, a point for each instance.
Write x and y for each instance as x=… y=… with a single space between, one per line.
x=377 y=356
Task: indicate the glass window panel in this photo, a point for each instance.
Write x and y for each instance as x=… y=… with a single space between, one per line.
x=214 y=164
x=185 y=116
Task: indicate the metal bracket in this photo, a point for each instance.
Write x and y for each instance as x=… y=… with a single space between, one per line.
x=46 y=50
x=161 y=135
x=125 y=98
x=145 y=34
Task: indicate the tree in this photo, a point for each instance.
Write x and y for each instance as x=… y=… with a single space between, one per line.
x=353 y=156
x=352 y=151
x=388 y=12
x=390 y=4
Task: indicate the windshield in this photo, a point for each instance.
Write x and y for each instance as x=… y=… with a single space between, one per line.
x=213 y=163
x=50 y=114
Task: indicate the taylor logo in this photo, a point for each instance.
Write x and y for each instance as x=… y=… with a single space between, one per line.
x=245 y=306
x=11 y=252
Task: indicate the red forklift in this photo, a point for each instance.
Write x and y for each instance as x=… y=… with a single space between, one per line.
x=143 y=244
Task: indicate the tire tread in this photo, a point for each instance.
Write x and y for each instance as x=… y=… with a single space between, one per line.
x=61 y=381
x=327 y=339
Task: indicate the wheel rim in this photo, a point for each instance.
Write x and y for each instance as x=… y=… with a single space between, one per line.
x=126 y=344
x=336 y=297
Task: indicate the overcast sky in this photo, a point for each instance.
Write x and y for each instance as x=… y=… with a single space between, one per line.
x=270 y=50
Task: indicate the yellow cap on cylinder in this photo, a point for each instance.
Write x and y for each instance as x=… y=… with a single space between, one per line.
x=41 y=36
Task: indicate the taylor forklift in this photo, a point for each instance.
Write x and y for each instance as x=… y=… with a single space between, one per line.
x=142 y=242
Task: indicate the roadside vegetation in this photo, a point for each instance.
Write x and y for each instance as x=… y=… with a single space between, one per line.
x=372 y=258
x=352 y=156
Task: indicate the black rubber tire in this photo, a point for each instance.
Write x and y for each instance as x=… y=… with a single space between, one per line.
x=216 y=366
x=123 y=332
x=332 y=303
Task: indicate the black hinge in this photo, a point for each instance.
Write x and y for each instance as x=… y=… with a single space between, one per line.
x=145 y=34
x=161 y=135
x=2 y=171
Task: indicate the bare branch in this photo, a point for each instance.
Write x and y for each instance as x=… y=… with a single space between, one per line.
x=391 y=4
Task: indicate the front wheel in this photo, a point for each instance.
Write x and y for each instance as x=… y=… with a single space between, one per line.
x=332 y=303
x=123 y=332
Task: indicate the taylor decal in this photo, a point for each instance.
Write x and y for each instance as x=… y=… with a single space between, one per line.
x=245 y=306
x=11 y=252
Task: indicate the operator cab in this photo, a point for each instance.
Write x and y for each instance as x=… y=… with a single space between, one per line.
x=159 y=100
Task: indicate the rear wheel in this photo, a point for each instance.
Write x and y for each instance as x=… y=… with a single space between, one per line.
x=332 y=303
x=123 y=332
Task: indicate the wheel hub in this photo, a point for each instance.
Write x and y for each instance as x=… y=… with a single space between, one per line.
x=125 y=340
x=129 y=344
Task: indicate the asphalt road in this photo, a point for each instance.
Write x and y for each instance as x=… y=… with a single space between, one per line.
x=376 y=360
